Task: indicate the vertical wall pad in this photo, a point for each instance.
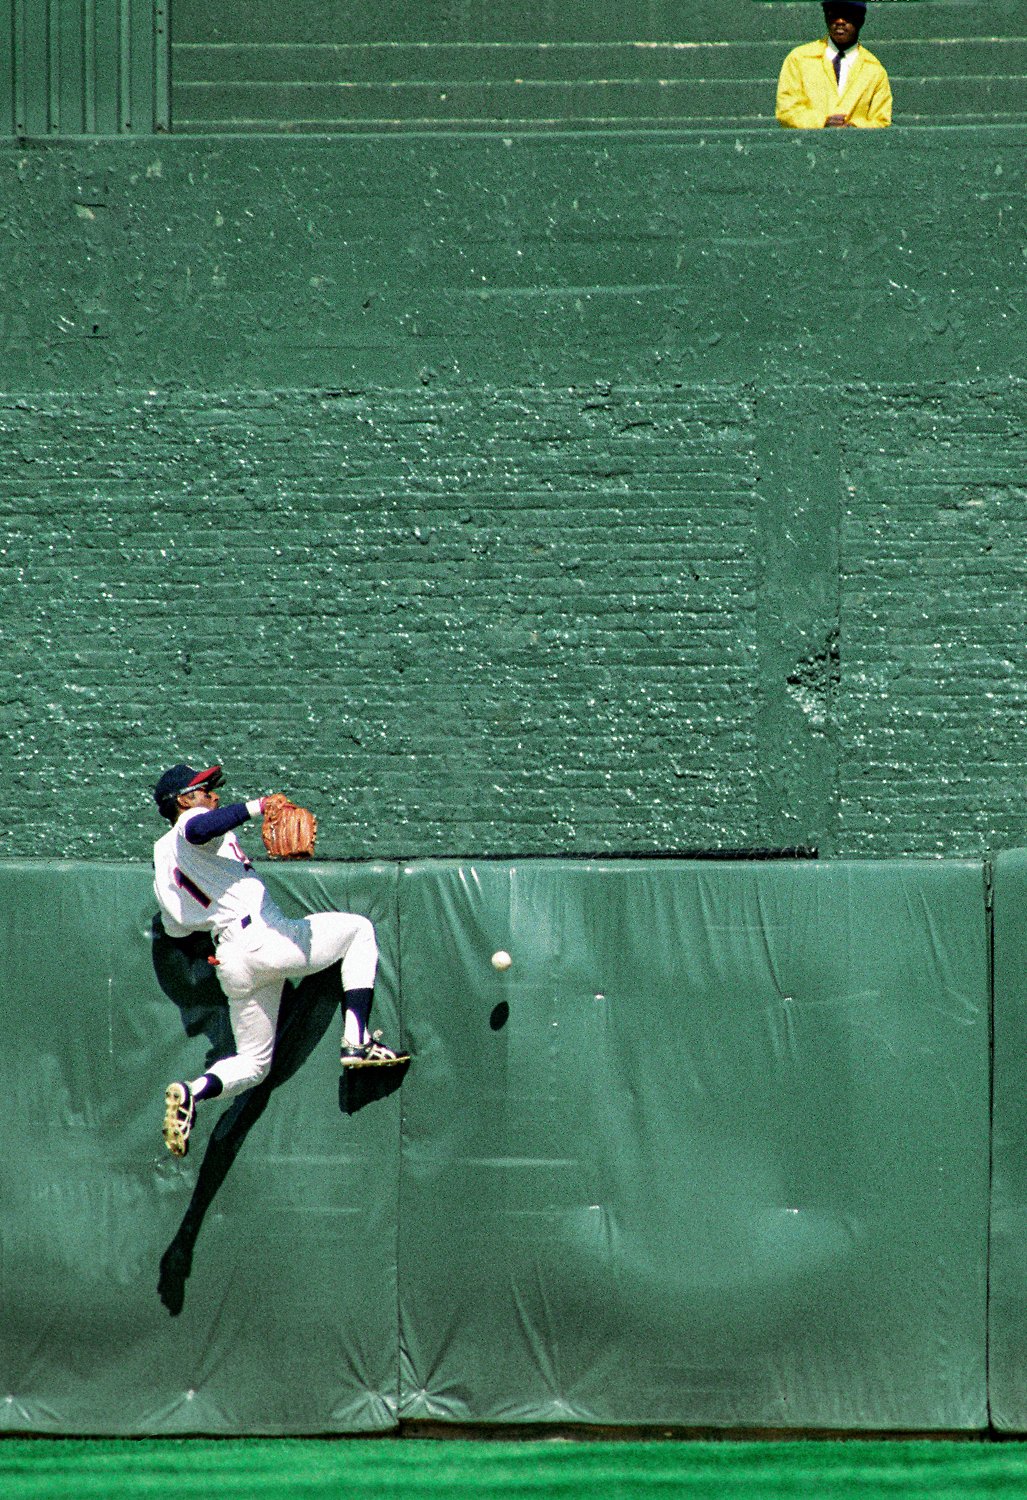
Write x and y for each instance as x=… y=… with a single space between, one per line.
x=713 y=1151
x=250 y=1287
x=1007 y=1340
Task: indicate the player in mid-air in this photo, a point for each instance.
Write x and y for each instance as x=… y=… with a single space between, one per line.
x=204 y=882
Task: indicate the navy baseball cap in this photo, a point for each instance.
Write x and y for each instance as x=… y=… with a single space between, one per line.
x=183 y=778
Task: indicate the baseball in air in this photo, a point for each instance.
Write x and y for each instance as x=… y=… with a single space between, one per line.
x=501 y=960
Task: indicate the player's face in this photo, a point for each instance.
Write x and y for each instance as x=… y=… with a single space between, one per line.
x=842 y=31
x=202 y=797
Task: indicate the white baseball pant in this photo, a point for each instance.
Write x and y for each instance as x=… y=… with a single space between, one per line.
x=253 y=964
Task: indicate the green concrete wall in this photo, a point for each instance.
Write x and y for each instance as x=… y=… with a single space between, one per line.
x=519 y=494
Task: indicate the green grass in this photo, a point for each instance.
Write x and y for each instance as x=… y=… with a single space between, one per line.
x=290 y=1468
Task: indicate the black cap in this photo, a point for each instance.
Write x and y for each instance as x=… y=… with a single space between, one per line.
x=183 y=778
x=852 y=10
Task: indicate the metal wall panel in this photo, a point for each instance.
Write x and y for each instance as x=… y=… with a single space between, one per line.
x=84 y=67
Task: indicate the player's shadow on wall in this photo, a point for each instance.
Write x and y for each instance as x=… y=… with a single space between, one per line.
x=307 y=1011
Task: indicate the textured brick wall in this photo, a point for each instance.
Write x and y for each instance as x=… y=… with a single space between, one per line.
x=933 y=700
x=518 y=496
x=450 y=622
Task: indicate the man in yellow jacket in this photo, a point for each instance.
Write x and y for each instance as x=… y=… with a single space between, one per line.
x=834 y=81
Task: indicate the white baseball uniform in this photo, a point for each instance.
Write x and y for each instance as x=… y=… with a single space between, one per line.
x=206 y=883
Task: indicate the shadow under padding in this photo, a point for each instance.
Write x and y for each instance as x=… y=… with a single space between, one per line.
x=186 y=977
x=361 y=1086
x=306 y=1013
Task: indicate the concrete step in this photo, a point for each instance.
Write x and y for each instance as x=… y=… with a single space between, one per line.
x=940 y=100
x=562 y=62
x=790 y=21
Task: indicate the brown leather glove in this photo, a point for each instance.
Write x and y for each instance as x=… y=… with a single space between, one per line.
x=289 y=831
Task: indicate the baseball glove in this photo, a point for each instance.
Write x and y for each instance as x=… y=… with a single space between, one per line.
x=289 y=831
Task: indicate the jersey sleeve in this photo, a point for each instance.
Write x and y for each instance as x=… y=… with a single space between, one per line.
x=201 y=827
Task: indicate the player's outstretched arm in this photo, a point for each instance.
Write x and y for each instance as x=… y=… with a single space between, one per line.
x=221 y=820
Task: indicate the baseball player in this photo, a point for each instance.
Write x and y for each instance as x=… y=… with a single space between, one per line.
x=204 y=882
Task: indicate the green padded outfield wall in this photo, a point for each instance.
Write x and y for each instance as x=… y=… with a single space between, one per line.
x=714 y=1151
x=1008 y=1275
x=251 y=1287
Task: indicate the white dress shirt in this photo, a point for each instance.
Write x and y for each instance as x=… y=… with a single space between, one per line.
x=848 y=59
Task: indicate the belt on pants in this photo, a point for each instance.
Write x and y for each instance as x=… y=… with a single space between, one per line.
x=242 y=922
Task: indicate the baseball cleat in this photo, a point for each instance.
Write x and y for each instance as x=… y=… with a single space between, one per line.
x=378 y=1052
x=373 y=1053
x=179 y=1117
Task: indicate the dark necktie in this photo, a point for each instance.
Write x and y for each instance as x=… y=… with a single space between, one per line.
x=838 y=68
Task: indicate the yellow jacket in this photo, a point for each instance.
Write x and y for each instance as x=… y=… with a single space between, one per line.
x=807 y=91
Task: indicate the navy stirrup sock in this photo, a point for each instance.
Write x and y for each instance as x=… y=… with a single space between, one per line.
x=359 y=1003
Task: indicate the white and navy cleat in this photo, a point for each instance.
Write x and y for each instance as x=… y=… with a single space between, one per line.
x=371 y=1054
x=179 y=1117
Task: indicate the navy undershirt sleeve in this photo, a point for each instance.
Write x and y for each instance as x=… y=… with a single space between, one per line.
x=211 y=825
